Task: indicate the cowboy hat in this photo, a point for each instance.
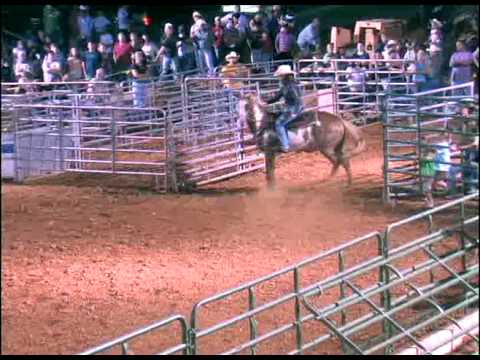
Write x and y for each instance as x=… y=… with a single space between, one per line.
x=284 y=70
x=232 y=55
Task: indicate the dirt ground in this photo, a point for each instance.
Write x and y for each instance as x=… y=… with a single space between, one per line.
x=84 y=263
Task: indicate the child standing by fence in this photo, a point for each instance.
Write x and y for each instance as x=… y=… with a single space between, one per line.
x=427 y=172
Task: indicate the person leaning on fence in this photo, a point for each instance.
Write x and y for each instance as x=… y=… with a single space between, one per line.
x=233 y=69
x=140 y=83
x=427 y=172
x=461 y=63
x=291 y=93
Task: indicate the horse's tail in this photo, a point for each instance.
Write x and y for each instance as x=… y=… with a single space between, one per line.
x=356 y=134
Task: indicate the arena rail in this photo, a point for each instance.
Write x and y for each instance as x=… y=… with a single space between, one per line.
x=429 y=280
x=415 y=122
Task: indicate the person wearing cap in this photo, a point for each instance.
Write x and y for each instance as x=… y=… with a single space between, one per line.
x=309 y=38
x=273 y=24
x=291 y=93
x=233 y=69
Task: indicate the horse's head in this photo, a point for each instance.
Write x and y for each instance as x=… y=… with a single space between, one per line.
x=253 y=112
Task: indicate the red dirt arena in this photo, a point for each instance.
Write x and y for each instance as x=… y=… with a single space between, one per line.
x=86 y=258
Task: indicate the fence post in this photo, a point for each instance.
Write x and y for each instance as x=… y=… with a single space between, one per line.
x=384 y=278
x=341 y=268
x=252 y=320
x=384 y=101
x=298 y=310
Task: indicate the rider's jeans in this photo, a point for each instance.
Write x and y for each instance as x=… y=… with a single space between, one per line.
x=281 y=125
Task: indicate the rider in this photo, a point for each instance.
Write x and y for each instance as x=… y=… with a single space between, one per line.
x=290 y=92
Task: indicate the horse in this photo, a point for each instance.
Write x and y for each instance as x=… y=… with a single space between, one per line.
x=312 y=130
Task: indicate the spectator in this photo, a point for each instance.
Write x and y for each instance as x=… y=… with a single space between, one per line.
x=427 y=172
x=391 y=53
x=233 y=70
x=421 y=71
x=92 y=61
x=95 y=87
x=85 y=24
x=410 y=55
x=442 y=162
x=51 y=23
x=470 y=169
x=18 y=50
x=204 y=41
x=57 y=54
x=122 y=53
x=168 y=50
x=185 y=51
x=107 y=59
x=239 y=18
x=436 y=50
x=461 y=63
x=139 y=72
x=273 y=25
x=149 y=48
x=106 y=39
x=101 y=23
x=284 y=43
x=123 y=18
x=232 y=39
x=217 y=31
x=355 y=77
x=329 y=54
x=136 y=42
x=382 y=45
x=197 y=18
x=267 y=50
x=309 y=38
x=254 y=37
x=74 y=69
x=52 y=69
x=360 y=53
x=22 y=66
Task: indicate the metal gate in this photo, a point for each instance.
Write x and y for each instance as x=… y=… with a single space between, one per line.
x=379 y=293
x=414 y=122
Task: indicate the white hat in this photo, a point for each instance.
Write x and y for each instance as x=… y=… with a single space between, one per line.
x=232 y=55
x=475 y=141
x=197 y=14
x=284 y=70
x=83 y=7
x=391 y=43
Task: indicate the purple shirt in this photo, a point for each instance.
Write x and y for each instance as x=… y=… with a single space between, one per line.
x=461 y=63
x=285 y=42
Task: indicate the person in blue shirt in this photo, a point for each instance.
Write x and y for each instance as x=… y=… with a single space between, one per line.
x=291 y=93
x=309 y=38
x=92 y=60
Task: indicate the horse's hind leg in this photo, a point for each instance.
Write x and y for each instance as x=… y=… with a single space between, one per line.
x=346 y=164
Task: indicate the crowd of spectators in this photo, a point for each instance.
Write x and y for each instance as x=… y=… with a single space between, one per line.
x=98 y=42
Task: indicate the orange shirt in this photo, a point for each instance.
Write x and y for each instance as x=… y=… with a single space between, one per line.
x=233 y=71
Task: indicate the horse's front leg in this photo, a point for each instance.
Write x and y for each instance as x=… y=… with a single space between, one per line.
x=270 y=168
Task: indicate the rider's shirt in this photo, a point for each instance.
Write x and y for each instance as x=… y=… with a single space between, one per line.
x=290 y=92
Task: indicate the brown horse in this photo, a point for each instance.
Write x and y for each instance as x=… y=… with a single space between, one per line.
x=337 y=139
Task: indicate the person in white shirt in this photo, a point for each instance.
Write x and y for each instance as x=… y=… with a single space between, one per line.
x=149 y=48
